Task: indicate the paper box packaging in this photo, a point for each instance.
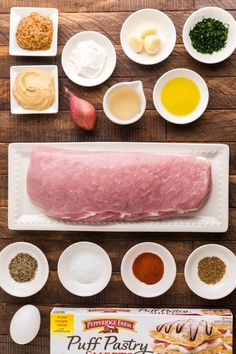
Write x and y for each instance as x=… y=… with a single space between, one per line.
x=141 y=331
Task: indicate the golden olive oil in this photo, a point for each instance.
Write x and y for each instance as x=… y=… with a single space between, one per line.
x=180 y=96
x=124 y=103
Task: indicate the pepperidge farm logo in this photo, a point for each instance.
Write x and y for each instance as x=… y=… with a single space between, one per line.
x=109 y=325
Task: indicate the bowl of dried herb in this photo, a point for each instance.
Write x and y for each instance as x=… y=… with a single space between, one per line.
x=23 y=269
x=209 y=35
x=210 y=271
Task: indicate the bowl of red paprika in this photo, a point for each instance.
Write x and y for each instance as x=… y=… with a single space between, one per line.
x=148 y=269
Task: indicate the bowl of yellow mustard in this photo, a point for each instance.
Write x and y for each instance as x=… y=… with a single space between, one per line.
x=180 y=96
x=34 y=89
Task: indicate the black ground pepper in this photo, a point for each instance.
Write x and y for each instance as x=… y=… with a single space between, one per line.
x=23 y=267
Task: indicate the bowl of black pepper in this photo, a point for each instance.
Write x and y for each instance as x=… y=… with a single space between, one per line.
x=209 y=35
x=23 y=269
x=210 y=271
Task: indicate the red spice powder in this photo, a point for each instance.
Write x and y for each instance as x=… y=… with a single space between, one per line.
x=148 y=268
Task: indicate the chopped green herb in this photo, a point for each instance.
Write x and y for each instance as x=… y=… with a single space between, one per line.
x=209 y=35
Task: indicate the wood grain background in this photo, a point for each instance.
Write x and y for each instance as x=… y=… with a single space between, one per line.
x=218 y=124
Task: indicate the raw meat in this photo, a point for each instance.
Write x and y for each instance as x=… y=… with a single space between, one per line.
x=107 y=186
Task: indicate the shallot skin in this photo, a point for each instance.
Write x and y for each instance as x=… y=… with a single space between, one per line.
x=82 y=112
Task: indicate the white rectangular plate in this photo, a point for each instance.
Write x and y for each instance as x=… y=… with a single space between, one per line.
x=213 y=217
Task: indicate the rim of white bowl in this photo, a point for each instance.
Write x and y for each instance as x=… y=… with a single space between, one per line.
x=27 y=285
x=211 y=296
x=116 y=120
x=90 y=82
x=192 y=52
x=198 y=80
x=142 y=62
x=139 y=288
x=87 y=289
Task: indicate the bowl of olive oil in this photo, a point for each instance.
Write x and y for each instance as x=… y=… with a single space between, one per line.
x=180 y=96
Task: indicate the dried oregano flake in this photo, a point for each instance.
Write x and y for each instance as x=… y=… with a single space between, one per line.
x=211 y=270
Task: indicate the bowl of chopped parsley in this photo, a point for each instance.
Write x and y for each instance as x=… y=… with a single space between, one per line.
x=209 y=35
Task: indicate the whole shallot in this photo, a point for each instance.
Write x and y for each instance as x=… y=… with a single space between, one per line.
x=82 y=112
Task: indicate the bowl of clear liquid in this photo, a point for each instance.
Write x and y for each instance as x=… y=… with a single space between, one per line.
x=124 y=103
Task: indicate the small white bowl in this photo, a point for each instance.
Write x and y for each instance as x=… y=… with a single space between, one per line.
x=17 y=13
x=28 y=288
x=204 y=96
x=218 y=14
x=225 y=286
x=138 y=87
x=15 y=107
x=136 y=286
x=69 y=67
x=140 y=20
x=68 y=279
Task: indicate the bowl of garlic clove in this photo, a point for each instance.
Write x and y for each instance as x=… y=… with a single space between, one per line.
x=148 y=36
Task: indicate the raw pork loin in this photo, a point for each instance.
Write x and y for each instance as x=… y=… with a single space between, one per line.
x=104 y=186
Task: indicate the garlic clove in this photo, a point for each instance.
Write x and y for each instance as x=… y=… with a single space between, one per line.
x=136 y=43
x=148 y=31
x=152 y=44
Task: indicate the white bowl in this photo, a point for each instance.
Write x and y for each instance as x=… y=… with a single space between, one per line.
x=15 y=107
x=140 y=20
x=136 y=286
x=138 y=87
x=218 y=14
x=16 y=15
x=68 y=279
x=225 y=286
x=28 y=288
x=204 y=96
x=69 y=67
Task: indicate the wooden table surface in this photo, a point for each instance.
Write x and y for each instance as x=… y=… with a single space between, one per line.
x=218 y=124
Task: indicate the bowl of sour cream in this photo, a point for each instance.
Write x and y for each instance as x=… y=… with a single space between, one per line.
x=88 y=58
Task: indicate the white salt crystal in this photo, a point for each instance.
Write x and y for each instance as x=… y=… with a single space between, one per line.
x=86 y=267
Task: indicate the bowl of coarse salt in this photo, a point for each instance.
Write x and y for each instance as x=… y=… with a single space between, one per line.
x=84 y=269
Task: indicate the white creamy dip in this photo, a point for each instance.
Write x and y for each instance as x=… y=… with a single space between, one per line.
x=89 y=59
